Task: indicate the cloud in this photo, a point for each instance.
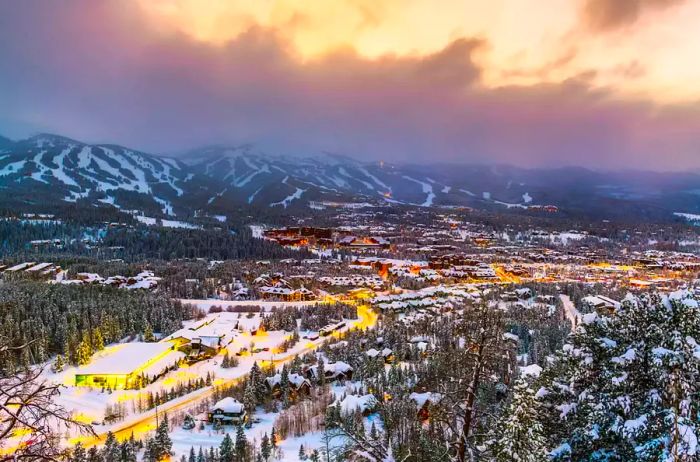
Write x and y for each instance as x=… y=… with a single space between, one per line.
x=607 y=15
x=96 y=71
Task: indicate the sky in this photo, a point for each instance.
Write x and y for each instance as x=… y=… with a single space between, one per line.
x=607 y=84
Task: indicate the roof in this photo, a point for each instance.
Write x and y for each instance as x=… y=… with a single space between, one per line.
x=295 y=379
x=228 y=405
x=124 y=358
x=352 y=403
x=422 y=398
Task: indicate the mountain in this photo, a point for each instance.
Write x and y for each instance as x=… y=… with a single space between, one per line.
x=51 y=170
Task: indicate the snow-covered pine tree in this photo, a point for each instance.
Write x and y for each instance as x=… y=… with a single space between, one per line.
x=227 y=452
x=241 y=444
x=626 y=385
x=518 y=434
x=111 y=451
x=58 y=364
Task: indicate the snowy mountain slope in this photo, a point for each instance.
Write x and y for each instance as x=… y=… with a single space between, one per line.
x=70 y=170
x=50 y=169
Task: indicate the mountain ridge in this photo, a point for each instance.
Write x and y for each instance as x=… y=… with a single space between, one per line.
x=54 y=168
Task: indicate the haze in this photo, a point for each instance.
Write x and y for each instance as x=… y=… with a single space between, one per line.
x=597 y=83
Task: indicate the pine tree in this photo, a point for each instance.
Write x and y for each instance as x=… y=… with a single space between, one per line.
x=625 y=385
x=518 y=435
x=84 y=353
x=200 y=455
x=58 y=364
x=148 y=333
x=192 y=457
x=94 y=455
x=227 y=452
x=273 y=438
x=302 y=452
x=128 y=450
x=111 y=451
x=98 y=342
x=163 y=444
x=265 y=448
x=315 y=456
x=249 y=400
x=321 y=372
x=79 y=454
x=241 y=444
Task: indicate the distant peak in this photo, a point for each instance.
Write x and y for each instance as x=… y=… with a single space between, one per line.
x=53 y=138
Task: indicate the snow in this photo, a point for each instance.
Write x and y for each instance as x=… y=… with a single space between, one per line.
x=124 y=358
x=12 y=167
x=288 y=200
x=375 y=179
x=422 y=398
x=527 y=198
x=257 y=231
x=59 y=173
x=229 y=404
x=446 y=189
x=486 y=195
x=533 y=370
x=688 y=216
x=467 y=192
x=252 y=196
x=352 y=403
x=167 y=206
x=149 y=221
x=427 y=188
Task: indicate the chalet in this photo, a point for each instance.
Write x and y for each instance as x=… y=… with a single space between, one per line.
x=228 y=411
x=601 y=303
x=119 y=367
x=339 y=371
x=286 y=294
x=205 y=340
x=363 y=404
x=424 y=401
x=297 y=383
x=387 y=354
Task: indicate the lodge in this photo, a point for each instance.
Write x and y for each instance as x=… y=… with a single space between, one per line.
x=228 y=411
x=119 y=367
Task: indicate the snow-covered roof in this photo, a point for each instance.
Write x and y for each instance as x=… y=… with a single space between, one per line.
x=124 y=358
x=352 y=403
x=422 y=398
x=228 y=405
x=295 y=379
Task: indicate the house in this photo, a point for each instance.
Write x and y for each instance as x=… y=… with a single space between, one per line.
x=601 y=303
x=332 y=371
x=120 y=366
x=387 y=354
x=364 y=404
x=228 y=411
x=298 y=384
x=424 y=401
x=205 y=340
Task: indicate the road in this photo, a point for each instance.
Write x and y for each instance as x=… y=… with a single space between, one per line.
x=146 y=422
x=570 y=311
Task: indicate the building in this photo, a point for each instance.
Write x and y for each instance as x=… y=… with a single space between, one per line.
x=332 y=371
x=120 y=366
x=298 y=384
x=228 y=411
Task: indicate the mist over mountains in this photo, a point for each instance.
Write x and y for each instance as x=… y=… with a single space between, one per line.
x=51 y=169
